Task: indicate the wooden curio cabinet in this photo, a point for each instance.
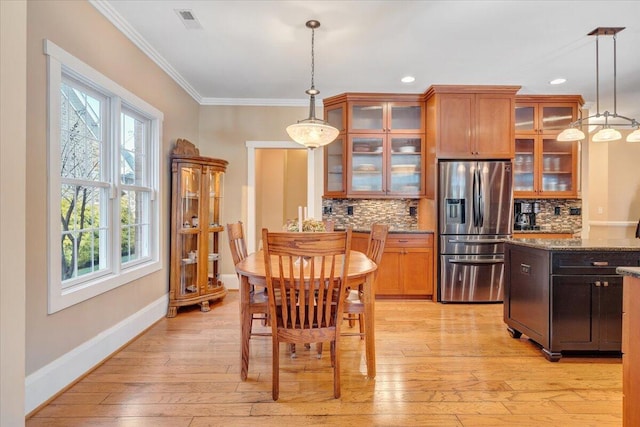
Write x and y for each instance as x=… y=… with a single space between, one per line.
x=196 y=228
x=380 y=150
x=542 y=165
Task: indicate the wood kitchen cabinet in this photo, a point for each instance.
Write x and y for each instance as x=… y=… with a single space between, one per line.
x=544 y=167
x=471 y=122
x=630 y=352
x=380 y=149
x=196 y=197
x=406 y=269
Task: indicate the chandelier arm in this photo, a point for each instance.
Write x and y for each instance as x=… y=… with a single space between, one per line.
x=615 y=86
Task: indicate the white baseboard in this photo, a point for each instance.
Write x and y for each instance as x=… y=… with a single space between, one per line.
x=230 y=281
x=613 y=223
x=43 y=384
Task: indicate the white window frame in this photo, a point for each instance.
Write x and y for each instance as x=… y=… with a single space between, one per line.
x=61 y=63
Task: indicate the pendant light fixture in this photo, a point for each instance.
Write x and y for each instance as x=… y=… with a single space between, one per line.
x=608 y=131
x=312 y=132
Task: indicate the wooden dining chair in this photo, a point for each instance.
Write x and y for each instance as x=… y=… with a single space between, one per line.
x=309 y=270
x=354 y=306
x=258 y=303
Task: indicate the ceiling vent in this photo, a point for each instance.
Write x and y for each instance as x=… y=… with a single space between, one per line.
x=188 y=19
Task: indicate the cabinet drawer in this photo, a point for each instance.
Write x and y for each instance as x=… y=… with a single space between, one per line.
x=593 y=262
x=409 y=241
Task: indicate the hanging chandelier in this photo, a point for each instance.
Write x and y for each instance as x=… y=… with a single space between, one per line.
x=312 y=132
x=608 y=132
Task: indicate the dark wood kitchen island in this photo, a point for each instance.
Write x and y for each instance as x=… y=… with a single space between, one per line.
x=565 y=294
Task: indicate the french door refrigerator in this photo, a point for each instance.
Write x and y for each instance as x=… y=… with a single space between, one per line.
x=475 y=202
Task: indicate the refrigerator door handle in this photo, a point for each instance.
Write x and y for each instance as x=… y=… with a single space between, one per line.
x=477 y=241
x=480 y=201
x=475 y=198
x=477 y=261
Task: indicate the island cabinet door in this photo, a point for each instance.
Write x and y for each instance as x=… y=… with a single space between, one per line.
x=586 y=313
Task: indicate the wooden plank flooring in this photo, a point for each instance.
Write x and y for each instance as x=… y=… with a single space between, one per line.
x=437 y=365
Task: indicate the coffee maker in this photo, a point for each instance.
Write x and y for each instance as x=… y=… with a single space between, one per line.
x=525 y=215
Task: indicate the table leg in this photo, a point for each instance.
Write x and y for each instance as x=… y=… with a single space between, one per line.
x=369 y=318
x=245 y=327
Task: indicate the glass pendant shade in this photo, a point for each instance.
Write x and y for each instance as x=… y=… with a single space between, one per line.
x=312 y=133
x=634 y=136
x=606 y=135
x=571 y=134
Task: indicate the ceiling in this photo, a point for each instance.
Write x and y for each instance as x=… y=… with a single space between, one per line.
x=259 y=52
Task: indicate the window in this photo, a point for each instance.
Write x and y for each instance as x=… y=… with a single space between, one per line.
x=104 y=148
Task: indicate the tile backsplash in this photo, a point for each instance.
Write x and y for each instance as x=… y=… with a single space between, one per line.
x=547 y=216
x=361 y=213
x=364 y=212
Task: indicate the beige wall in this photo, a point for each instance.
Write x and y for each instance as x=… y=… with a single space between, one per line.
x=82 y=31
x=614 y=189
x=13 y=84
x=224 y=131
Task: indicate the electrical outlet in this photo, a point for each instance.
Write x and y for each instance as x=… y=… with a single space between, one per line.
x=413 y=211
x=575 y=211
x=556 y=210
x=349 y=210
x=326 y=210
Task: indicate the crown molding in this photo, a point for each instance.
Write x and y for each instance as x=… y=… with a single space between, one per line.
x=125 y=28
x=258 y=102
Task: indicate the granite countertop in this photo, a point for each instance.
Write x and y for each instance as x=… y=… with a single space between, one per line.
x=550 y=231
x=629 y=271
x=579 y=244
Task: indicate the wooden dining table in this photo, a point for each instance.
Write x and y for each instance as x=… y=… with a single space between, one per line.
x=251 y=271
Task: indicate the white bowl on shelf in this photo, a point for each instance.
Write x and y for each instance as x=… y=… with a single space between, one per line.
x=407 y=149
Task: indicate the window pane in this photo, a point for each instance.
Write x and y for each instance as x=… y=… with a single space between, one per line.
x=81 y=219
x=80 y=137
x=134 y=218
x=132 y=150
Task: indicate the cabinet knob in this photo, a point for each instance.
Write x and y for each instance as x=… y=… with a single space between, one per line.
x=597 y=283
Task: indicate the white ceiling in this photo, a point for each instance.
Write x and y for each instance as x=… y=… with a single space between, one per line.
x=259 y=52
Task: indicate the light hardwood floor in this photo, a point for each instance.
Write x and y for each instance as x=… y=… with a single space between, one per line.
x=437 y=365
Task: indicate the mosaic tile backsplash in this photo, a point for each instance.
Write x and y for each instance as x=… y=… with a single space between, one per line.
x=364 y=212
x=547 y=217
x=401 y=214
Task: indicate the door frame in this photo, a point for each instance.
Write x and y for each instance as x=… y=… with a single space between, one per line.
x=252 y=146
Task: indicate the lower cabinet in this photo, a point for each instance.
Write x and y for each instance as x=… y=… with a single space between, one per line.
x=406 y=269
x=593 y=319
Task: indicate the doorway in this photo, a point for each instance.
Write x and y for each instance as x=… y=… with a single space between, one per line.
x=256 y=150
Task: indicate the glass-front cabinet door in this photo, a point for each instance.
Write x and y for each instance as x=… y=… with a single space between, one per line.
x=524 y=167
x=214 y=183
x=558 y=166
x=405 y=117
x=335 y=170
x=547 y=118
x=190 y=176
x=406 y=165
x=367 y=164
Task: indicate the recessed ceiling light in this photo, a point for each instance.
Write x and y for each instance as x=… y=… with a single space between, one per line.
x=557 y=81
x=408 y=79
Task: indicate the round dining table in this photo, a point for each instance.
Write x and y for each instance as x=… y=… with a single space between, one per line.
x=251 y=272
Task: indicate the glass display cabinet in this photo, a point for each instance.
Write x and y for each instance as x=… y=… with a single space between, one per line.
x=196 y=227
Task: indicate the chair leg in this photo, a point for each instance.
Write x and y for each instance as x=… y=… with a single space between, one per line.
x=275 y=366
x=361 y=322
x=319 y=350
x=336 y=368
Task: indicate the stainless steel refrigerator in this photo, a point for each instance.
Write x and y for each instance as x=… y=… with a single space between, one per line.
x=475 y=203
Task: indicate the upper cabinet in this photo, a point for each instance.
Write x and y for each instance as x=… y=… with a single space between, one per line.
x=543 y=166
x=471 y=122
x=380 y=149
